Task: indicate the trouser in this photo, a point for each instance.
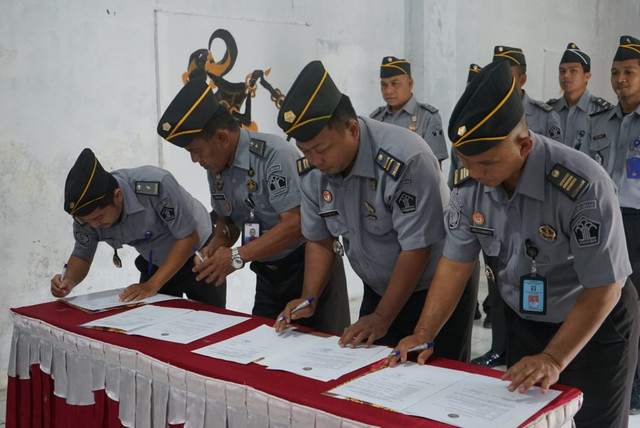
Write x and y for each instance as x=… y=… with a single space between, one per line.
x=631 y=223
x=278 y=282
x=454 y=339
x=494 y=305
x=184 y=281
x=603 y=370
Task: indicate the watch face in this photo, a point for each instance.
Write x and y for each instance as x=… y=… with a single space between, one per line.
x=237 y=262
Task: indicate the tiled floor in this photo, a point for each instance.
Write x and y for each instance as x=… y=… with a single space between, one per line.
x=481 y=342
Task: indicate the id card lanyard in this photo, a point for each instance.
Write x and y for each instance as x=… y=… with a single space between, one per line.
x=533 y=287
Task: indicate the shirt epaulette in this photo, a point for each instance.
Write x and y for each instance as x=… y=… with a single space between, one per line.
x=257 y=147
x=570 y=183
x=460 y=176
x=602 y=105
x=391 y=165
x=552 y=101
x=304 y=166
x=543 y=105
x=147 y=188
x=377 y=112
x=429 y=107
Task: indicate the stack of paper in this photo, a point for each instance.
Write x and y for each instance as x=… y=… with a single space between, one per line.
x=108 y=300
x=293 y=351
x=168 y=324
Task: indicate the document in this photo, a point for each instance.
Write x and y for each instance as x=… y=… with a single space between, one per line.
x=256 y=344
x=108 y=300
x=450 y=396
x=188 y=327
x=141 y=316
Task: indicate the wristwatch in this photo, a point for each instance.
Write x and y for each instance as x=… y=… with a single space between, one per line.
x=236 y=260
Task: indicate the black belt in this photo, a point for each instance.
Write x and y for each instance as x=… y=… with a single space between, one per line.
x=629 y=211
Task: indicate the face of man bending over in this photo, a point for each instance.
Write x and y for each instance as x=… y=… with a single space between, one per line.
x=212 y=153
x=107 y=215
x=396 y=90
x=501 y=164
x=334 y=149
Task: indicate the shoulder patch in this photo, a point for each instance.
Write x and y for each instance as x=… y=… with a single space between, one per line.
x=602 y=105
x=543 y=105
x=552 y=101
x=376 y=112
x=460 y=175
x=304 y=166
x=429 y=107
x=257 y=147
x=147 y=188
x=391 y=165
x=570 y=183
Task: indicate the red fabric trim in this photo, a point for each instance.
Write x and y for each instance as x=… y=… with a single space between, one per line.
x=35 y=397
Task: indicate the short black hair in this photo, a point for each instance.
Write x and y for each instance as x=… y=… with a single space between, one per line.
x=342 y=115
x=221 y=119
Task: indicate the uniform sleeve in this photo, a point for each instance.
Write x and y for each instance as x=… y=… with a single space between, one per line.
x=173 y=205
x=597 y=237
x=314 y=228
x=282 y=180
x=460 y=245
x=554 y=128
x=434 y=136
x=86 y=241
x=417 y=203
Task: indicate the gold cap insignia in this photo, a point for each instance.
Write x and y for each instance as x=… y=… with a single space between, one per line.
x=500 y=49
x=628 y=40
x=72 y=204
x=462 y=130
x=166 y=127
x=389 y=59
x=573 y=46
x=289 y=116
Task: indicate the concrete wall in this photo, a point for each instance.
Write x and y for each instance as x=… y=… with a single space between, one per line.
x=77 y=74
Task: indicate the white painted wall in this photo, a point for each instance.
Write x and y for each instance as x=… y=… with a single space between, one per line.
x=77 y=74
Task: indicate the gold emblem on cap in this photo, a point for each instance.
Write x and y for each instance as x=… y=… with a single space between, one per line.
x=628 y=40
x=72 y=204
x=573 y=46
x=389 y=59
x=555 y=173
x=475 y=66
x=166 y=127
x=500 y=49
x=289 y=116
x=462 y=130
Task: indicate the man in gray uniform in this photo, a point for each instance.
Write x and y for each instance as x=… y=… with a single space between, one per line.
x=402 y=109
x=380 y=188
x=550 y=216
x=254 y=185
x=540 y=116
x=143 y=207
x=575 y=105
x=614 y=142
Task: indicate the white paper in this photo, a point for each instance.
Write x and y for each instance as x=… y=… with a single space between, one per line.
x=109 y=299
x=188 y=327
x=256 y=344
x=450 y=396
x=326 y=360
x=137 y=317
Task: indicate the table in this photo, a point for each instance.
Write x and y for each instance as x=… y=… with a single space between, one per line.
x=62 y=375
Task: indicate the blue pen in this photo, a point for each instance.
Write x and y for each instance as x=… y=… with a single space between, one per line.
x=300 y=306
x=64 y=272
x=414 y=349
x=197 y=253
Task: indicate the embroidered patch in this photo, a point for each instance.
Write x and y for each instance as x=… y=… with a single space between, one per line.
x=587 y=232
x=273 y=168
x=82 y=238
x=167 y=213
x=583 y=206
x=277 y=184
x=404 y=181
x=454 y=212
x=436 y=132
x=554 y=132
x=406 y=202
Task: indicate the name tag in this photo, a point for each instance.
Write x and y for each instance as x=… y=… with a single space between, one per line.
x=219 y=197
x=481 y=230
x=330 y=213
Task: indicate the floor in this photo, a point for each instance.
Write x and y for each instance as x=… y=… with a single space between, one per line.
x=481 y=342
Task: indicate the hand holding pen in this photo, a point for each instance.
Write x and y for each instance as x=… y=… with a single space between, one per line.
x=302 y=305
x=414 y=349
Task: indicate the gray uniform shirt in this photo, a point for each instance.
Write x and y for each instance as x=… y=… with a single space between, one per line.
x=612 y=137
x=149 y=221
x=541 y=118
x=378 y=214
x=424 y=119
x=273 y=162
x=574 y=121
x=580 y=241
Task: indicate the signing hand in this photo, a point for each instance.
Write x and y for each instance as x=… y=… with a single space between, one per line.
x=532 y=369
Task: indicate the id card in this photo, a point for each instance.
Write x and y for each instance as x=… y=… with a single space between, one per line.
x=533 y=294
x=633 y=167
x=250 y=231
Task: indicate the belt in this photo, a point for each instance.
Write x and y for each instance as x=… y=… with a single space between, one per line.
x=629 y=211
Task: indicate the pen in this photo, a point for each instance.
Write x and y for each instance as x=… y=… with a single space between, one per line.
x=414 y=349
x=197 y=253
x=64 y=272
x=300 y=306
